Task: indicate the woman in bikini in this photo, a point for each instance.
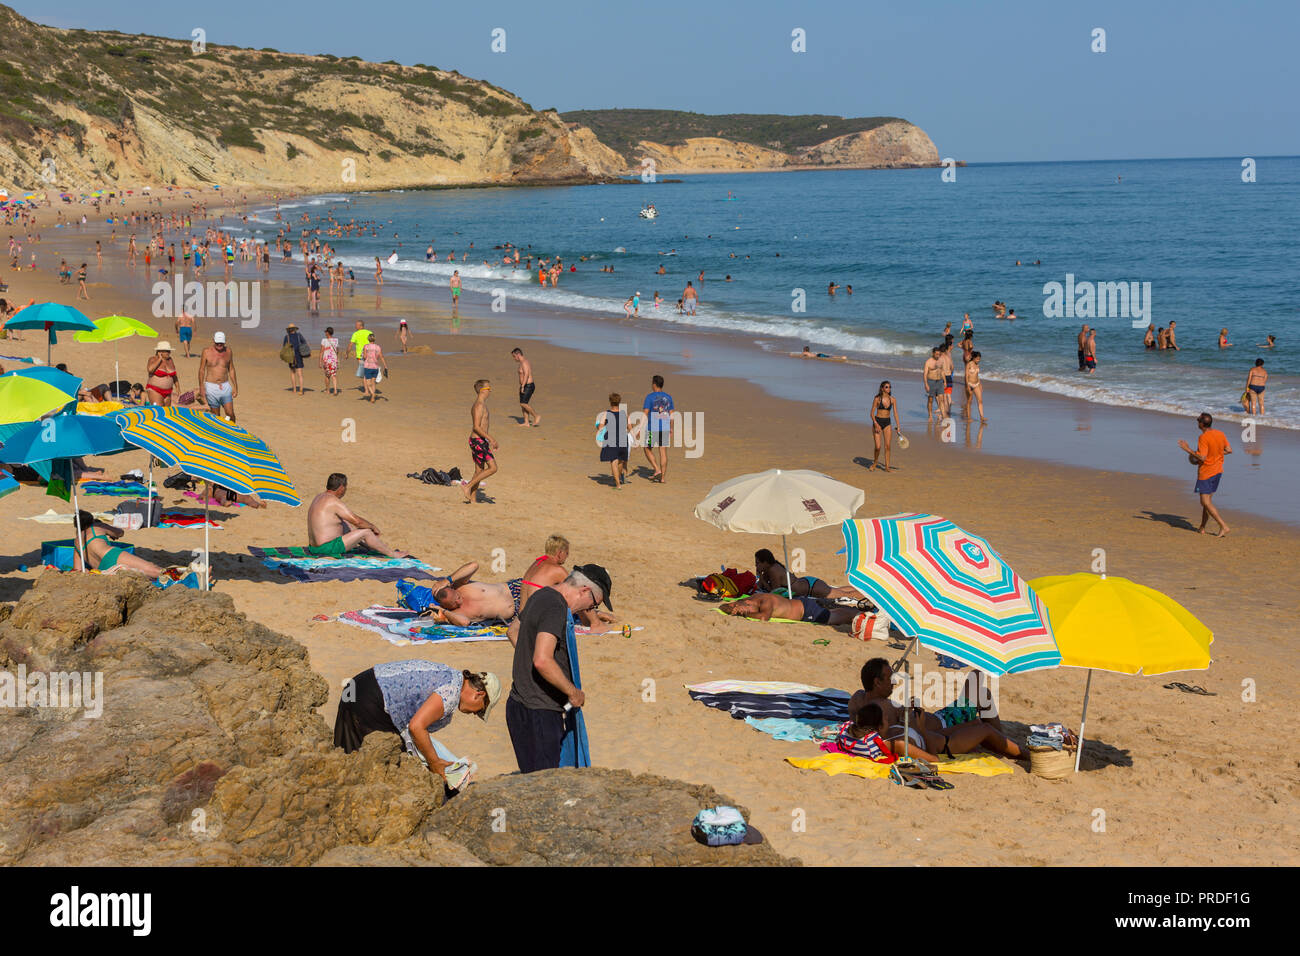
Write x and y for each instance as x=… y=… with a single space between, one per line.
x=162 y=375
x=931 y=745
x=104 y=556
x=974 y=387
x=884 y=415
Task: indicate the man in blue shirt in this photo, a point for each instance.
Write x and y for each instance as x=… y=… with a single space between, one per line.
x=658 y=408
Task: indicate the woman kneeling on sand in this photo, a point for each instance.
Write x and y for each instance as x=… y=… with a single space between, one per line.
x=412 y=699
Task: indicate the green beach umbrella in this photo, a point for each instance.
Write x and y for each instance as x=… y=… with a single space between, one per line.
x=113 y=327
x=29 y=393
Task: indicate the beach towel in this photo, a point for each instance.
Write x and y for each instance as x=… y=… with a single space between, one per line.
x=352 y=567
x=827 y=705
x=53 y=517
x=788 y=728
x=759 y=687
x=18 y=358
x=185 y=518
x=118 y=489
x=574 y=750
x=981 y=764
x=400 y=626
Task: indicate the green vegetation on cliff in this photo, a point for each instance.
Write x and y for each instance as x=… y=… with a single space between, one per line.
x=621 y=130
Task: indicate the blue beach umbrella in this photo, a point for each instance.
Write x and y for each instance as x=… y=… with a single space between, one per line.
x=51 y=317
x=55 y=441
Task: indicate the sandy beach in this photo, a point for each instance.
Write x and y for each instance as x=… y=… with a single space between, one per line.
x=1162 y=765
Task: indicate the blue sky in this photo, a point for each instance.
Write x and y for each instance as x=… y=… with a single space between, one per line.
x=990 y=82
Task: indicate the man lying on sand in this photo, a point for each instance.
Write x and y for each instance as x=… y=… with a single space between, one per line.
x=771 y=575
x=764 y=607
x=463 y=601
x=333 y=530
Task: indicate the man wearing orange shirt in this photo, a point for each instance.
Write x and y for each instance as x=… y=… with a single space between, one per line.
x=1208 y=458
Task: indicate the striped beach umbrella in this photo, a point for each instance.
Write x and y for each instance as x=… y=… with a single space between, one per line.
x=210 y=449
x=951 y=591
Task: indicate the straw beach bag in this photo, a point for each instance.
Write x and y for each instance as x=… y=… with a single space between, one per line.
x=1052 y=764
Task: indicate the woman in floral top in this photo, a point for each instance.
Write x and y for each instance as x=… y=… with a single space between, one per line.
x=412 y=699
x=329 y=360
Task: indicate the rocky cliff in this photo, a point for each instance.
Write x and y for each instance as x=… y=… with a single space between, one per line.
x=208 y=749
x=83 y=109
x=743 y=142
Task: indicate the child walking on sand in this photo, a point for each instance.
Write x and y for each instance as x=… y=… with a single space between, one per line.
x=611 y=433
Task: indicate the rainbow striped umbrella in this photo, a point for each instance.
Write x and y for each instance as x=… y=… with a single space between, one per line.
x=951 y=591
x=209 y=448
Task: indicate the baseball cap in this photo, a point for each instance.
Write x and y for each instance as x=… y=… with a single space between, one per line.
x=599 y=577
x=493 y=687
x=219 y=337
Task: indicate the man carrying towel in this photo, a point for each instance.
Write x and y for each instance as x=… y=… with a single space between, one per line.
x=546 y=676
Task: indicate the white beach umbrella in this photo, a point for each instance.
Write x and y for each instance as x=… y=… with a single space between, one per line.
x=780 y=502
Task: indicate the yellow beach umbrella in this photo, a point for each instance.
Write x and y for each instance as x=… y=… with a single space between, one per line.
x=1114 y=624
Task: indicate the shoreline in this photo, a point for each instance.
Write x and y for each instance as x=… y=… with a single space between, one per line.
x=1026 y=424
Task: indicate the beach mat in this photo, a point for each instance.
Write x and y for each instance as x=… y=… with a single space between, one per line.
x=353 y=567
x=824 y=705
x=118 y=489
x=401 y=626
x=789 y=728
x=983 y=765
x=185 y=518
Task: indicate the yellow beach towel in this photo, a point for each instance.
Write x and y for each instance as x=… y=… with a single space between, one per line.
x=981 y=764
x=98 y=408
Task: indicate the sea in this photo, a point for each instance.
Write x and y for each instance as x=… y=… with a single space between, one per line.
x=1208 y=243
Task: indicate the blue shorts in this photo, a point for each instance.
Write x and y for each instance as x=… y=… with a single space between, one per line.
x=370 y=372
x=186 y=332
x=1208 y=486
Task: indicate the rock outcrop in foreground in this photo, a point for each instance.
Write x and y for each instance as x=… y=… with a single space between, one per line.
x=209 y=750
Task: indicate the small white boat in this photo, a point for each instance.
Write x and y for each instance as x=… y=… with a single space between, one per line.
x=649 y=212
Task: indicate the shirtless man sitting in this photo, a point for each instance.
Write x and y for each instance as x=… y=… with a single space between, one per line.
x=771 y=575
x=764 y=607
x=877 y=686
x=333 y=529
x=463 y=601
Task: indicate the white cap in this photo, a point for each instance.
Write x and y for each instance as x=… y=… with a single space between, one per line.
x=219 y=337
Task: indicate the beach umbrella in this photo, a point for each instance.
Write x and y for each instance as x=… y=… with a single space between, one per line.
x=1114 y=624
x=111 y=328
x=28 y=393
x=50 y=317
x=61 y=438
x=949 y=590
x=210 y=449
x=780 y=502
x=8 y=485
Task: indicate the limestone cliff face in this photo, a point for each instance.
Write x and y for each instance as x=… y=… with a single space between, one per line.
x=83 y=110
x=896 y=144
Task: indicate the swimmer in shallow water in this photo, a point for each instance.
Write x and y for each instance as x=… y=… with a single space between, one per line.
x=808 y=353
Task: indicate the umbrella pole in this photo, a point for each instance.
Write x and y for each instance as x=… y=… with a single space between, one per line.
x=207 y=550
x=148 y=502
x=907 y=706
x=910 y=647
x=785 y=553
x=76 y=520
x=1078 y=754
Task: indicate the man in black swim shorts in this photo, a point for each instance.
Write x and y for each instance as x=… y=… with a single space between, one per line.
x=526 y=389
